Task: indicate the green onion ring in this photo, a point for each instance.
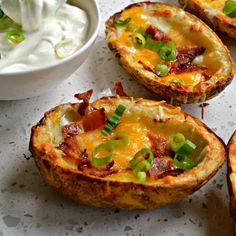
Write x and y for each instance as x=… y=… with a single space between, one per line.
x=120 y=139
x=187 y=148
x=177 y=141
x=119 y=22
x=141 y=176
x=230 y=8
x=139 y=40
x=162 y=70
x=139 y=155
x=15 y=36
x=143 y=165
x=102 y=160
x=183 y=162
x=168 y=52
x=178 y=81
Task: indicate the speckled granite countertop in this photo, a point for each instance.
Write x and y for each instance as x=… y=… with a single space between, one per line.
x=29 y=207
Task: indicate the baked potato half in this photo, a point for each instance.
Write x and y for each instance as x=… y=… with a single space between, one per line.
x=231 y=177
x=124 y=152
x=170 y=52
x=213 y=13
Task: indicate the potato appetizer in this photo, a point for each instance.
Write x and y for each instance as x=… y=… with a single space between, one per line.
x=170 y=52
x=231 y=149
x=124 y=152
x=219 y=14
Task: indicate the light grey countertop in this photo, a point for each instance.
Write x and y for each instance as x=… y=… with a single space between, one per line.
x=30 y=207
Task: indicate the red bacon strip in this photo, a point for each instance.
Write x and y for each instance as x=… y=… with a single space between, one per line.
x=119 y=89
x=94 y=120
x=158 y=145
x=85 y=97
x=156 y=34
x=183 y=62
x=162 y=167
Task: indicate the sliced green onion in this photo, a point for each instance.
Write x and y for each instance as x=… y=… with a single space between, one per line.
x=230 y=8
x=139 y=40
x=177 y=81
x=177 y=141
x=15 y=36
x=65 y=48
x=100 y=161
x=143 y=165
x=139 y=157
x=120 y=139
x=187 y=148
x=141 y=176
x=1 y=13
x=183 y=162
x=162 y=70
x=114 y=120
x=168 y=52
x=153 y=45
x=119 y=22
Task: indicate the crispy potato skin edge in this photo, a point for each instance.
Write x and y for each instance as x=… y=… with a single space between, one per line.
x=168 y=92
x=219 y=22
x=231 y=150
x=102 y=193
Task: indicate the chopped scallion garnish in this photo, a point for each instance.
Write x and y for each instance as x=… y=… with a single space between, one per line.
x=120 y=139
x=139 y=156
x=162 y=70
x=139 y=40
x=183 y=162
x=119 y=22
x=168 y=52
x=114 y=120
x=98 y=160
x=15 y=36
x=230 y=8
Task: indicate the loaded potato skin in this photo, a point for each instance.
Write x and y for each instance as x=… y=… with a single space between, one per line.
x=231 y=164
x=107 y=188
x=212 y=13
x=201 y=68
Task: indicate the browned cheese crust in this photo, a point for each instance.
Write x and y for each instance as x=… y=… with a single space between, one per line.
x=175 y=93
x=114 y=193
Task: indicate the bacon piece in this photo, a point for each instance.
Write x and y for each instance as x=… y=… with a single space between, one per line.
x=119 y=89
x=71 y=149
x=84 y=161
x=72 y=129
x=162 y=167
x=85 y=97
x=155 y=33
x=158 y=145
x=94 y=120
x=184 y=58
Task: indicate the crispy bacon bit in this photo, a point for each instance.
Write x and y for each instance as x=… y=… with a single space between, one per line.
x=72 y=129
x=156 y=33
x=94 y=120
x=84 y=161
x=161 y=13
x=71 y=149
x=184 y=58
x=85 y=97
x=162 y=167
x=158 y=145
x=119 y=89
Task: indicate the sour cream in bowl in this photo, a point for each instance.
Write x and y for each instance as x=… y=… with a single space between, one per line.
x=42 y=42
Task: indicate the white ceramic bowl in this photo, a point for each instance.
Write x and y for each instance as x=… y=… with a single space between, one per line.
x=20 y=85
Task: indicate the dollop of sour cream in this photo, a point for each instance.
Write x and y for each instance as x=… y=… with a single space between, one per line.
x=52 y=30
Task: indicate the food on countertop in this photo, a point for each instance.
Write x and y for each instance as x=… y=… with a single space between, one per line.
x=170 y=52
x=231 y=161
x=219 y=14
x=39 y=32
x=124 y=152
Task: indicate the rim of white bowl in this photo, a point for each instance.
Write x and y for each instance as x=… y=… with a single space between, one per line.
x=91 y=39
